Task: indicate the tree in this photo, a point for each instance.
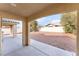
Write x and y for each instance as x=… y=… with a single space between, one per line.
x=34 y=26
x=69 y=21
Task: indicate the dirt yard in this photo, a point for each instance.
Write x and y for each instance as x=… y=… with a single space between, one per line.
x=60 y=40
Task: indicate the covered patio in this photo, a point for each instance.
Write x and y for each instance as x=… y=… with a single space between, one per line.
x=27 y=13
x=35 y=48
x=12 y=45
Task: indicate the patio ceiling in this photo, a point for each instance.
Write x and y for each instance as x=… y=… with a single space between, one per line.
x=32 y=11
x=25 y=9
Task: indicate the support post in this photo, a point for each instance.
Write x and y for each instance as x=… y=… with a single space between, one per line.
x=25 y=32
x=77 y=40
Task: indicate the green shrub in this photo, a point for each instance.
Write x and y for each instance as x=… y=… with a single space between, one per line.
x=68 y=21
x=34 y=26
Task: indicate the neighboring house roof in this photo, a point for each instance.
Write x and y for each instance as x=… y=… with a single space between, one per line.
x=55 y=23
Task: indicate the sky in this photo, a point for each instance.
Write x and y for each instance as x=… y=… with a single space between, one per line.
x=48 y=19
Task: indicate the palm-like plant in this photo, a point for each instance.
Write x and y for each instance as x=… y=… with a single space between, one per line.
x=68 y=21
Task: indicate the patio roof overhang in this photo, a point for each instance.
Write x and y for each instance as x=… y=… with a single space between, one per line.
x=20 y=11
x=33 y=11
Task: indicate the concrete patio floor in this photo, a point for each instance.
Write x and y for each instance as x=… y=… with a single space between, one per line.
x=13 y=47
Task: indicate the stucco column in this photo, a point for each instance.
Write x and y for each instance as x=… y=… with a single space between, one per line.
x=25 y=32
x=77 y=34
x=0 y=36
